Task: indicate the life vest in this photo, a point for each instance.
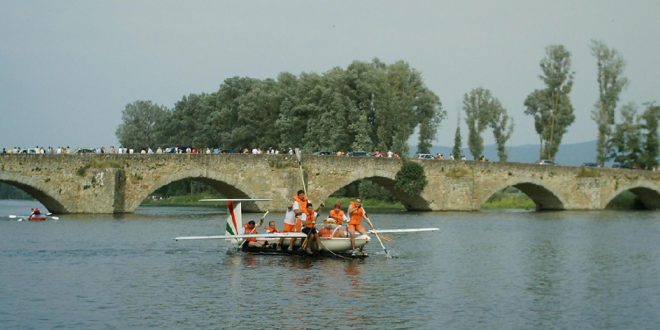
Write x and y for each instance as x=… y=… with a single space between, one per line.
x=326 y=232
x=251 y=231
x=357 y=215
x=272 y=229
x=301 y=203
x=338 y=215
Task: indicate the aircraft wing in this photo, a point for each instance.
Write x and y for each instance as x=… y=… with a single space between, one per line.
x=396 y=231
x=275 y=235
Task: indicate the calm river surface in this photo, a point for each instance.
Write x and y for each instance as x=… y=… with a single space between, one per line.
x=504 y=269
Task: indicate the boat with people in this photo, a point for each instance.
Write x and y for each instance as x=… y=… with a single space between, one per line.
x=35 y=215
x=335 y=244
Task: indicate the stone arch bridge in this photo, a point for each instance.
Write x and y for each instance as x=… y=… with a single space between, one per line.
x=119 y=183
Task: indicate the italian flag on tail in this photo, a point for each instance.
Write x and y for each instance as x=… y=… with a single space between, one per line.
x=234 y=220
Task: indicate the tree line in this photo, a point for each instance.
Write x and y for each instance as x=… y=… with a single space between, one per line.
x=375 y=106
x=631 y=142
x=367 y=106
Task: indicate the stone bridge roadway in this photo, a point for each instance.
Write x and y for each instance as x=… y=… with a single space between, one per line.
x=119 y=183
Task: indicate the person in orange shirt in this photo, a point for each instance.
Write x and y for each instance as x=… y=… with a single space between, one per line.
x=300 y=209
x=310 y=244
x=357 y=213
x=338 y=214
x=250 y=228
x=271 y=229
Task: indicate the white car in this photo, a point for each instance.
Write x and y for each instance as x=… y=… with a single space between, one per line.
x=425 y=156
x=546 y=162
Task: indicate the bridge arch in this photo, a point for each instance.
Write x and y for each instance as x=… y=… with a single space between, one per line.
x=543 y=197
x=649 y=196
x=410 y=202
x=226 y=185
x=41 y=194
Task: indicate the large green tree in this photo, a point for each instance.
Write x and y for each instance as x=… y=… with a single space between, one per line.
x=551 y=107
x=142 y=125
x=625 y=144
x=502 y=126
x=478 y=106
x=369 y=105
x=610 y=84
x=650 y=117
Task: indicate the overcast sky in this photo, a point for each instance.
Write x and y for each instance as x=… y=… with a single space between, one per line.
x=68 y=68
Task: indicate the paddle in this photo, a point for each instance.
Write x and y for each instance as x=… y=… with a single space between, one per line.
x=20 y=218
x=378 y=237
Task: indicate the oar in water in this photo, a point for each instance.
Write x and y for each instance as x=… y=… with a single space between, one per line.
x=378 y=237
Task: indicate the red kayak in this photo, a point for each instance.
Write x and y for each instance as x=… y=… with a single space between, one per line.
x=37 y=217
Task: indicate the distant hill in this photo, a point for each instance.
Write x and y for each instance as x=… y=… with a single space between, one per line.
x=569 y=154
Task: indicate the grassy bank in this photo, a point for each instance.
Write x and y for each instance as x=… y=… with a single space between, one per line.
x=183 y=200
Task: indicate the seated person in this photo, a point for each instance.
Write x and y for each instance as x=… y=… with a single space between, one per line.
x=271 y=229
x=328 y=229
x=310 y=242
x=250 y=228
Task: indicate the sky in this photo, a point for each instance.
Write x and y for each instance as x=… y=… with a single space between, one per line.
x=69 y=68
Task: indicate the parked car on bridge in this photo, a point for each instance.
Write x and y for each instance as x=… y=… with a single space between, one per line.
x=546 y=162
x=590 y=165
x=358 y=154
x=324 y=153
x=425 y=156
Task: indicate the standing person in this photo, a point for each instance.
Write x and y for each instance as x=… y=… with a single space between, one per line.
x=355 y=224
x=289 y=225
x=300 y=208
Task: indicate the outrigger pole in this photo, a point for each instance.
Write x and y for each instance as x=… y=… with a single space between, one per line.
x=302 y=175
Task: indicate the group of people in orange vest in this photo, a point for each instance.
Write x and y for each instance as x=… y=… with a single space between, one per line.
x=301 y=217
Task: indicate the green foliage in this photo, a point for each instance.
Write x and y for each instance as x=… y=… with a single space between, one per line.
x=411 y=178
x=482 y=110
x=551 y=107
x=458 y=143
x=588 y=173
x=610 y=84
x=140 y=125
x=625 y=144
x=365 y=106
x=509 y=198
x=651 y=117
x=502 y=126
x=8 y=191
x=634 y=141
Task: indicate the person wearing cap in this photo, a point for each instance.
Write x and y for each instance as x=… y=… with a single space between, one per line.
x=289 y=225
x=357 y=213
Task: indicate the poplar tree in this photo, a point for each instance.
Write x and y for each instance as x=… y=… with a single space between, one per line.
x=502 y=126
x=551 y=107
x=625 y=145
x=610 y=84
x=458 y=143
x=478 y=107
x=651 y=117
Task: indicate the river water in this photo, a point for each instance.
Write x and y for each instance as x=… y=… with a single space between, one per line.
x=495 y=269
